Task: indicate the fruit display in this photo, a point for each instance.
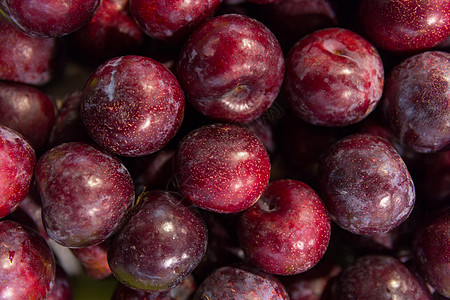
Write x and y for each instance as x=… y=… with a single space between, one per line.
x=224 y=149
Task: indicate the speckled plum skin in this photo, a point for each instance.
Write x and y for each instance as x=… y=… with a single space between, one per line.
x=49 y=18
x=287 y=231
x=222 y=168
x=431 y=248
x=132 y=105
x=416 y=102
x=183 y=291
x=24 y=58
x=85 y=194
x=405 y=25
x=235 y=283
x=172 y=241
x=97 y=41
x=27 y=110
x=17 y=162
x=366 y=185
x=27 y=270
x=231 y=68
x=171 y=20
x=334 y=77
x=380 y=277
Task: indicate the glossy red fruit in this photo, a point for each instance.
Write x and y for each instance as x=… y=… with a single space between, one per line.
x=27 y=110
x=85 y=193
x=416 y=102
x=405 y=25
x=17 y=161
x=183 y=291
x=97 y=41
x=24 y=58
x=231 y=68
x=235 y=283
x=334 y=77
x=132 y=105
x=27 y=269
x=366 y=185
x=432 y=251
x=49 y=18
x=381 y=277
x=172 y=241
x=287 y=231
x=62 y=289
x=222 y=168
x=171 y=20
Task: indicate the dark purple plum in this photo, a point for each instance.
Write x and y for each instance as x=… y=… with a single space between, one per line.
x=68 y=125
x=416 y=102
x=405 y=25
x=94 y=260
x=85 y=193
x=27 y=110
x=49 y=18
x=132 y=105
x=231 y=68
x=222 y=168
x=17 y=162
x=27 y=268
x=172 y=241
x=24 y=58
x=432 y=251
x=334 y=77
x=183 y=291
x=62 y=289
x=171 y=20
x=380 y=277
x=287 y=231
x=97 y=41
x=366 y=185
x=235 y=283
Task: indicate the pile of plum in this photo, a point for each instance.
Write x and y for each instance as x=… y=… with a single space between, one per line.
x=225 y=149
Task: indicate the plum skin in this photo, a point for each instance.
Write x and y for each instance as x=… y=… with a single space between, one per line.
x=334 y=77
x=26 y=59
x=27 y=270
x=431 y=248
x=416 y=102
x=289 y=215
x=407 y=25
x=171 y=20
x=231 y=68
x=132 y=105
x=49 y=18
x=17 y=162
x=27 y=110
x=366 y=185
x=222 y=168
x=381 y=277
x=85 y=194
x=172 y=241
x=240 y=282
